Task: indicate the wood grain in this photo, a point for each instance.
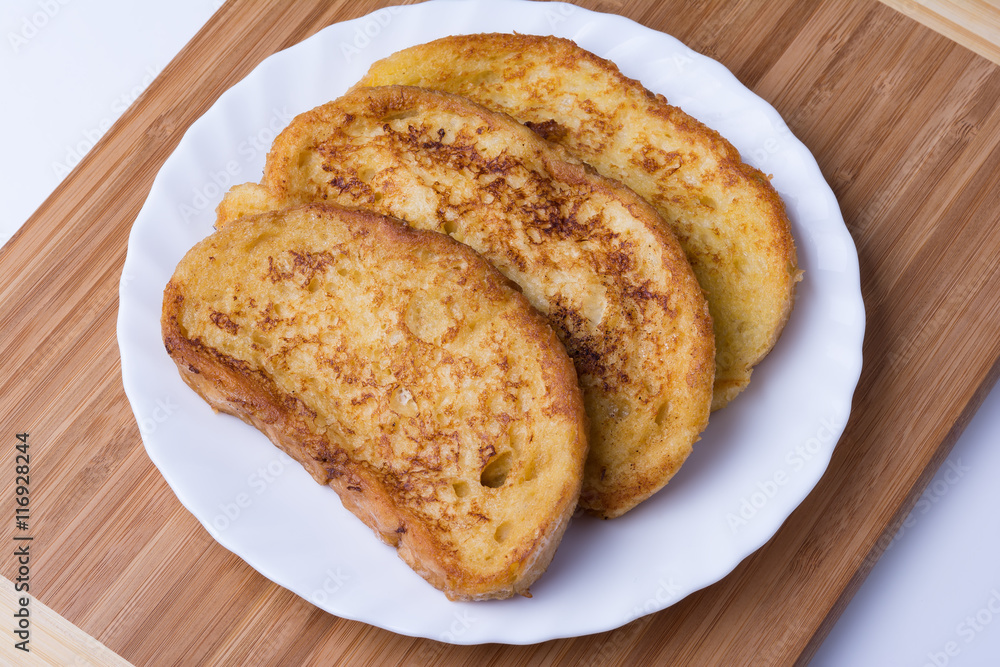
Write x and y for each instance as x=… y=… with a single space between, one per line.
x=975 y=24
x=52 y=639
x=905 y=125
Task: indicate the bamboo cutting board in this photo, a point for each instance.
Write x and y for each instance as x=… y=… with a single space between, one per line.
x=905 y=125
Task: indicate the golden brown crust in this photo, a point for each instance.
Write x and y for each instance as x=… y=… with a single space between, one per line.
x=727 y=216
x=393 y=364
x=587 y=252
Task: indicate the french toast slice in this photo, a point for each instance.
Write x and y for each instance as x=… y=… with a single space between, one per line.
x=586 y=251
x=402 y=370
x=726 y=214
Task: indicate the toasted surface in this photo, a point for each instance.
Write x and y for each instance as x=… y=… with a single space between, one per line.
x=727 y=216
x=401 y=369
x=586 y=252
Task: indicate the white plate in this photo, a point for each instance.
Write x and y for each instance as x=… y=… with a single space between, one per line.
x=756 y=462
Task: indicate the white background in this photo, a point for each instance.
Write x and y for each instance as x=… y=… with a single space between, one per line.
x=69 y=69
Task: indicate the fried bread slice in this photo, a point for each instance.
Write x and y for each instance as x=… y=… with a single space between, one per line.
x=726 y=214
x=401 y=369
x=586 y=251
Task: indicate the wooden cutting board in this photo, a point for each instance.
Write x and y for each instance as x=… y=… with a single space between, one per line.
x=905 y=125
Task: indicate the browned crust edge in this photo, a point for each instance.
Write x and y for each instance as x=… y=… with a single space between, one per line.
x=229 y=385
x=732 y=167
x=701 y=369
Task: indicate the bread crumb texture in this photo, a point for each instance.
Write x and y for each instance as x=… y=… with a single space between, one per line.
x=401 y=369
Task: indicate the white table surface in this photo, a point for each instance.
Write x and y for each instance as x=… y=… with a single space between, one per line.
x=68 y=70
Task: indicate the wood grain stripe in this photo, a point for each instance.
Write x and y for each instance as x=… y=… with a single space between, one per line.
x=53 y=640
x=975 y=24
x=903 y=122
